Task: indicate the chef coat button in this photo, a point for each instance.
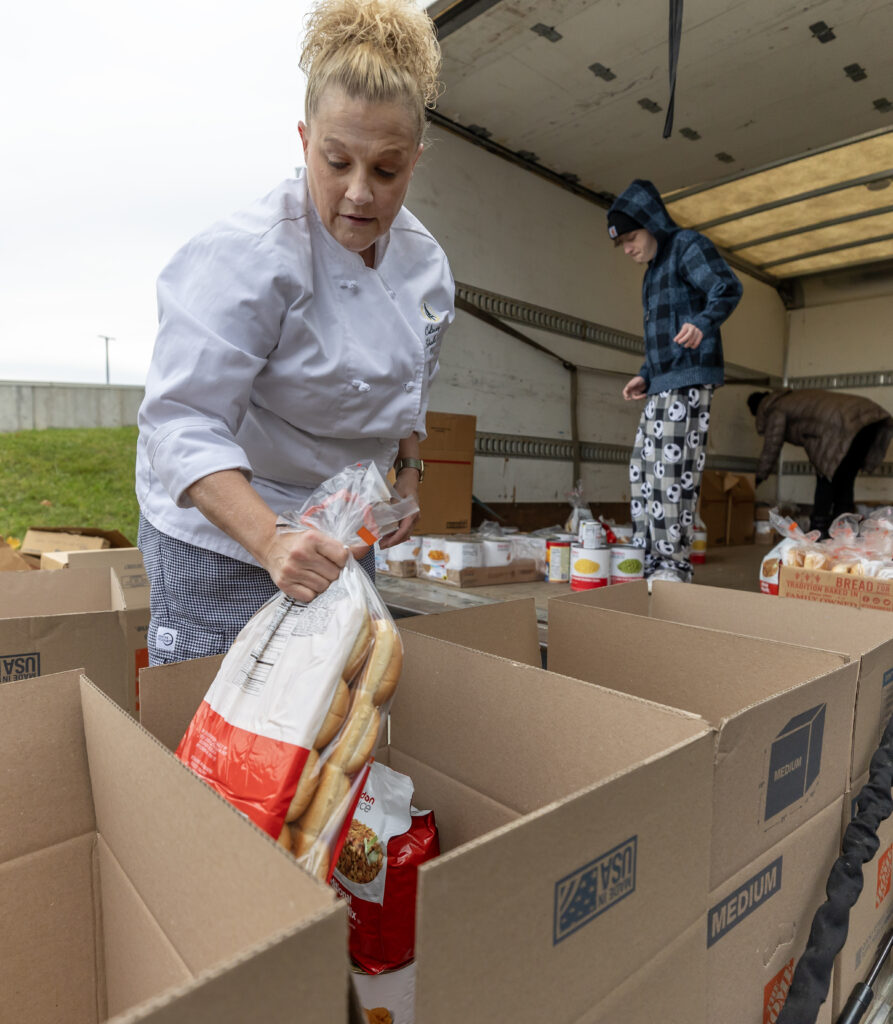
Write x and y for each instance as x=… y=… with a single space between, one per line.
x=350 y=285
x=409 y=386
x=392 y=293
x=361 y=385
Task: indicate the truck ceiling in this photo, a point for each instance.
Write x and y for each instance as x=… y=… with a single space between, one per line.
x=782 y=148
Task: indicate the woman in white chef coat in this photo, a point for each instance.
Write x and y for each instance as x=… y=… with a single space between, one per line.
x=295 y=338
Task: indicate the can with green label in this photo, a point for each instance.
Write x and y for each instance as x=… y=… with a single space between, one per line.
x=627 y=563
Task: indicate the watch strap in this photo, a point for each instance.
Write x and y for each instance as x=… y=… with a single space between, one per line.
x=417 y=464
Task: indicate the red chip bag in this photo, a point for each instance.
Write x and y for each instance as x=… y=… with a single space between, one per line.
x=377 y=870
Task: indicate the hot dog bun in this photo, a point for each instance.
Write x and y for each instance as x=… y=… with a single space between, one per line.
x=332 y=791
x=359 y=650
x=335 y=717
x=307 y=784
x=357 y=741
x=382 y=670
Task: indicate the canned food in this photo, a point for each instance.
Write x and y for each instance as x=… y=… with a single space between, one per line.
x=698 y=546
x=558 y=561
x=590 y=567
x=592 y=534
x=626 y=563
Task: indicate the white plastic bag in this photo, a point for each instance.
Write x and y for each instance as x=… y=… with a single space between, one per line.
x=288 y=727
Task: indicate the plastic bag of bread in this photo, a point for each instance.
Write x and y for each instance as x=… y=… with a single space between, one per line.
x=378 y=867
x=288 y=727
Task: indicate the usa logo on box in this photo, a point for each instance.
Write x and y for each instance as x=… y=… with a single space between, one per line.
x=19 y=666
x=594 y=888
x=795 y=760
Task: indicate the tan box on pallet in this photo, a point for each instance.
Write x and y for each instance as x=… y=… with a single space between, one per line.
x=132 y=892
x=758 y=923
x=52 y=621
x=835 y=588
x=568 y=816
x=872 y=914
x=782 y=714
x=865 y=636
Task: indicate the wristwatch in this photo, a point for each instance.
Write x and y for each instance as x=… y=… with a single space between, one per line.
x=418 y=464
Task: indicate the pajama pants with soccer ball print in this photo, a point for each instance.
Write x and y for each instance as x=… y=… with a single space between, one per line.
x=665 y=476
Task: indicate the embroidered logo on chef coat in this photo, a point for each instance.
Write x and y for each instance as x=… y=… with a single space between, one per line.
x=431 y=314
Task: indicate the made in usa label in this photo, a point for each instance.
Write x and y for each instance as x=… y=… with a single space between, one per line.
x=19 y=666
x=594 y=888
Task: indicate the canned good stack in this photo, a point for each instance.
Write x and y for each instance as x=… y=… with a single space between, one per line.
x=596 y=563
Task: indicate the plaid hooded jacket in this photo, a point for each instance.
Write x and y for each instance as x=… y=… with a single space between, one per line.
x=686 y=282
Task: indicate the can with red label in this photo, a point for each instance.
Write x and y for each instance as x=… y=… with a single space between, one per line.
x=590 y=567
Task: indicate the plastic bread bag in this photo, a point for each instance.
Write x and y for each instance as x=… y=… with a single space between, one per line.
x=580 y=509
x=288 y=727
x=791 y=550
x=377 y=870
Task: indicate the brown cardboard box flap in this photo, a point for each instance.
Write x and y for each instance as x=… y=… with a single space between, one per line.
x=163 y=906
x=508 y=629
x=71 y=538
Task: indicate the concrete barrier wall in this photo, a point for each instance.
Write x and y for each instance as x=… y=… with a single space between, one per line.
x=34 y=405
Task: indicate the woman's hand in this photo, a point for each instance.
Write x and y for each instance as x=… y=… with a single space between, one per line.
x=407 y=485
x=303 y=564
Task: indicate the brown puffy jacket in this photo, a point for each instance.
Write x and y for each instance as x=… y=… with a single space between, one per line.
x=822 y=422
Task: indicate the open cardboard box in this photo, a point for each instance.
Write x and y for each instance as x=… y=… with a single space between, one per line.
x=782 y=714
x=52 y=621
x=569 y=817
x=130 y=571
x=758 y=923
x=132 y=892
x=39 y=539
x=727 y=506
x=12 y=561
x=864 y=636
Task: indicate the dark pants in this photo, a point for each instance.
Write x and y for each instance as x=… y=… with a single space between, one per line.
x=835 y=496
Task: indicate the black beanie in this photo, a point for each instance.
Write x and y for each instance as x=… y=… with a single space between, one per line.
x=620 y=223
x=754 y=399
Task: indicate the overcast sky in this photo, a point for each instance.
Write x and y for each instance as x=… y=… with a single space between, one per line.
x=127 y=127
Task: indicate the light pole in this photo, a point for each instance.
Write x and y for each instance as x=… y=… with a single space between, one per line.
x=107 y=338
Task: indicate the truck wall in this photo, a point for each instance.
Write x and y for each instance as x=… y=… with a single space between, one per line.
x=508 y=231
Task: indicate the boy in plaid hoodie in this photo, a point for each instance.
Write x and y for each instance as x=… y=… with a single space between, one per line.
x=687 y=292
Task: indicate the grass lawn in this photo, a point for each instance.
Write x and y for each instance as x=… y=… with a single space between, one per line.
x=68 y=478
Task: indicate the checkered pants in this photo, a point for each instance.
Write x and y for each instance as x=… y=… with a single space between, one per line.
x=199 y=600
x=665 y=476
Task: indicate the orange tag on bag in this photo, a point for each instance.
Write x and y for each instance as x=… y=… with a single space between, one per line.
x=366 y=536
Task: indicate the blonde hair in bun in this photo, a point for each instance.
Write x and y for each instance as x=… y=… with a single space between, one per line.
x=375 y=50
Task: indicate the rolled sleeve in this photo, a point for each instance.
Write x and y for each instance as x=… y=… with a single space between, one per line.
x=221 y=301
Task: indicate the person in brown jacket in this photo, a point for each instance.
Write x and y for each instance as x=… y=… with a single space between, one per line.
x=842 y=434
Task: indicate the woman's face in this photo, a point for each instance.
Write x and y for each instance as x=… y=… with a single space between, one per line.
x=359 y=157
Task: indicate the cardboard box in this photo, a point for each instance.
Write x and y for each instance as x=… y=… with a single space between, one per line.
x=130 y=571
x=771 y=705
x=52 y=621
x=131 y=891
x=71 y=538
x=835 y=588
x=523 y=571
x=727 y=506
x=12 y=561
x=670 y=989
x=872 y=913
x=569 y=817
x=864 y=636
x=758 y=923
x=445 y=493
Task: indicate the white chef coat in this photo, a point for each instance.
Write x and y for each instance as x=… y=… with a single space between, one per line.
x=280 y=353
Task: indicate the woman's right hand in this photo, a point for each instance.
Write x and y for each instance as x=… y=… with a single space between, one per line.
x=303 y=564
